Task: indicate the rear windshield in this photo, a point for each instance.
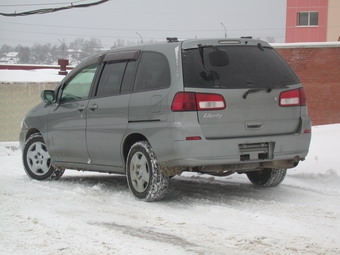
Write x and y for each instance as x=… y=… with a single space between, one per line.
x=234 y=67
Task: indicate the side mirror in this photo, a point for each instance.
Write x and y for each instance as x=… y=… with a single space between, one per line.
x=48 y=96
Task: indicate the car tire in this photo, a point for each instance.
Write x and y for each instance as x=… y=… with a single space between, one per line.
x=37 y=160
x=268 y=177
x=145 y=180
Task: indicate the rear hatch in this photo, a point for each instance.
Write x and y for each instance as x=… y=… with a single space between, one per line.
x=242 y=89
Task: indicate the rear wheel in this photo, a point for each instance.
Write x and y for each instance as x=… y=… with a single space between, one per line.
x=37 y=160
x=268 y=177
x=145 y=180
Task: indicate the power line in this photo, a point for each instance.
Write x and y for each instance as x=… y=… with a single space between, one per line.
x=58 y=34
x=143 y=29
x=50 y=10
x=87 y=34
x=22 y=5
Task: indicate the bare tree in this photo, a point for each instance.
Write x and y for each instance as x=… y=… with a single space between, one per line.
x=76 y=51
x=24 y=54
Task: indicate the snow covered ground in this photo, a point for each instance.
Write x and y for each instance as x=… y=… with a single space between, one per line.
x=93 y=213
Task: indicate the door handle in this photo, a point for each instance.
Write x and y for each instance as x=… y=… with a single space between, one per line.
x=253 y=125
x=93 y=107
x=81 y=108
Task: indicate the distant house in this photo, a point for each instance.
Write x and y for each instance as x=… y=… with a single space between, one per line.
x=312 y=21
x=9 y=58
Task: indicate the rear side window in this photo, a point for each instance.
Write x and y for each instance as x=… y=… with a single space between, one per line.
x=116 y=78
x=129 y=77
x=234 y=67
x=111 y=79
x=153 y=72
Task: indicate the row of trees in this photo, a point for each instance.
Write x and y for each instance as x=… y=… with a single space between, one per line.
x=75 y=51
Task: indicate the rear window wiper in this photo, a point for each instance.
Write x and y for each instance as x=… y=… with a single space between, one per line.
x=201 y=51
x=251 y=91
x=206 y=74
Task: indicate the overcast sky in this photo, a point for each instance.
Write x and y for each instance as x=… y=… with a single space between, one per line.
x=152 y=19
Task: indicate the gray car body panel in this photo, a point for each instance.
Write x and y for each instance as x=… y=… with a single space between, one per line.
x=95 y=138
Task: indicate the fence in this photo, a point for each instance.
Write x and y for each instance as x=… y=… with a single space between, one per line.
x=15 y=100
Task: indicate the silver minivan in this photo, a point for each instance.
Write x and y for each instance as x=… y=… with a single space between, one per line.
x=151 y=112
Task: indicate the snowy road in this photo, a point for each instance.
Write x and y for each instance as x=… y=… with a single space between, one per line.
x=92 y=213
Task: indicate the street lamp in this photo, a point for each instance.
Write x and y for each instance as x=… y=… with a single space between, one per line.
x=225 y=30
x=141 y=38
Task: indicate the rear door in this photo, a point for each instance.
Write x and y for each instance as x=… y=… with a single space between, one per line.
x=257 y=115
x=251 y=80
x=149 y=101
x=107 y=117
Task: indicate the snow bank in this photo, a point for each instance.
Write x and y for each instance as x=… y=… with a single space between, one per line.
x=323 y=157
x=39 y=75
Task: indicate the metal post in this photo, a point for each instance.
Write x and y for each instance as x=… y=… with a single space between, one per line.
x=141 y=38
x=225 y=30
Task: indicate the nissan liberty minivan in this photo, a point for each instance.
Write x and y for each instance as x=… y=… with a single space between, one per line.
x=151 y=112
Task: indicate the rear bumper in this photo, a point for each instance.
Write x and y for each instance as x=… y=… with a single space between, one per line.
x=227 y=151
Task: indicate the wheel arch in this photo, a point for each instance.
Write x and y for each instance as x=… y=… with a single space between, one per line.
x=32 y=131
x=130 y=140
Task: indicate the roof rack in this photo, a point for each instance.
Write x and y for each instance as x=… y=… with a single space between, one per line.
x=172 y=39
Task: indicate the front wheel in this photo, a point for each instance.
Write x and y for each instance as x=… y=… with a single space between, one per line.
x=145 y=180
x=37 y=160
x=268 y=177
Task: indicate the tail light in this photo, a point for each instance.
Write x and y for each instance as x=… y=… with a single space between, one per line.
x=296 y=97
x=191 y=101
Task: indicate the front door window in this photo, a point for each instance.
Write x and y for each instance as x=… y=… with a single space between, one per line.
x=78 y=88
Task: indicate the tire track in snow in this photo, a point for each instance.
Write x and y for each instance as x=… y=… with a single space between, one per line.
x=151 y=234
